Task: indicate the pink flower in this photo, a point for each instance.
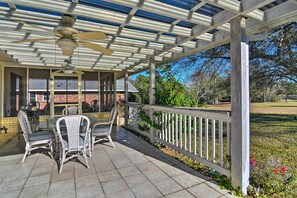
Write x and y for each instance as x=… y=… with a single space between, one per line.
x=253 y=162
x=283 y=169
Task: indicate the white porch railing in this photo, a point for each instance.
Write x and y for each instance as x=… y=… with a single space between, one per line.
x=201 y=135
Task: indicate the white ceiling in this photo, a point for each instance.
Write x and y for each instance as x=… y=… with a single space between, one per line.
x=138 y=30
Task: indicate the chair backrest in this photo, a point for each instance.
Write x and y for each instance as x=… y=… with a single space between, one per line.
x=70 y=110
x=73 y=124
x=25 y=125
x=112 y=114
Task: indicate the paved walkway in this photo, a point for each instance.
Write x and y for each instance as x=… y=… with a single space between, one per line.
x=133 y=169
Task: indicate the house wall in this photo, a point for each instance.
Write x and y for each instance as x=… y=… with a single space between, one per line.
x=11 y=123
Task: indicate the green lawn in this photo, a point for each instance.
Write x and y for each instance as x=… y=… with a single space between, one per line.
x=274 y=135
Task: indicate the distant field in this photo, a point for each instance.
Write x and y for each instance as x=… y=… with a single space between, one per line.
x=264 y=108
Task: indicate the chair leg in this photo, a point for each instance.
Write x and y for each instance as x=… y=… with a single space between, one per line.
x=62 y=162
x=86 y=159
x=25 y=155
x=111 y=142
x=90 y=147
x=51 y=150
x=93 y=142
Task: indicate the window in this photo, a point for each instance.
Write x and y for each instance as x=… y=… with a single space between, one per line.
x=32 y=97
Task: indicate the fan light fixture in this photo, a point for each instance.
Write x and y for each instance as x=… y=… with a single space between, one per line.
x=68 y=71
x=67 y=44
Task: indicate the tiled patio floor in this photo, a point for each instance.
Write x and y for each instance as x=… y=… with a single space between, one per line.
x=133 y=169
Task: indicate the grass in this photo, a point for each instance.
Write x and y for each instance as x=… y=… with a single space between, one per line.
x=274 y=135
x=282 y=107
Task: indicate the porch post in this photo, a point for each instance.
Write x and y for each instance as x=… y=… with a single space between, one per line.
x=52 y=88
x=115 y=88
x=240 y=131
x=126 y=78
x=152 y=95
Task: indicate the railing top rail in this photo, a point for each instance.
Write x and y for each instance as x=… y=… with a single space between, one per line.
x=223 y=116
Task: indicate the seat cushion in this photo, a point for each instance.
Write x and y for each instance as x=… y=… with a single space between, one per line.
x=98 y=131
x=44 y=135
x=81 y=141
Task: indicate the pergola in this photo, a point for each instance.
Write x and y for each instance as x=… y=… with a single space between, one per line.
x=146 y=33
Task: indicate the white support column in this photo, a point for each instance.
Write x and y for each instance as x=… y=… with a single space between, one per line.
x=52 y=89
x=126 y=97
x=99 y=91
x=79 y=86
x=240 y=133
x=152 y=95
x=115 y=89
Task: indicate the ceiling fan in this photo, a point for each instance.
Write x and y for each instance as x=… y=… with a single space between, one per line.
x=68 y=68
x=69 y=38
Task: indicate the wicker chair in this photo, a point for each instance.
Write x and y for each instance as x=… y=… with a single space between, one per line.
x=34 y=140
x=70 y=110
x=102 y=130
x=73 y=132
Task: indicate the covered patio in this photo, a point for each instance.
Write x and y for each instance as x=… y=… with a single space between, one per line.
x=134 y=168
x=37 y=36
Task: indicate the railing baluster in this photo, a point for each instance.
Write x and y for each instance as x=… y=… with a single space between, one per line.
x=166 y=127
x=213 y=140
x=180 y=131
x=176 y=129
x=200 y=136
x=163 y=126
x=172 y=130
x=228 y=138
x=221 y=142
x=206 y=139
x=190 y=134
x=195 y=135
x=169 y=127
x=185 y=132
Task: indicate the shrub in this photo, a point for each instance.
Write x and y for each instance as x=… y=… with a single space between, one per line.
x=271 y=178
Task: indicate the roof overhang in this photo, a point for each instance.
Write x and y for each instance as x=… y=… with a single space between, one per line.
x=165 y=30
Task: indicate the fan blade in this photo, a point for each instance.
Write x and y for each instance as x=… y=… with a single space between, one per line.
x=91 y=35
x=78 y=72
x=33 y=40
x=36 y=26
x=97 y=48
x=67 y=52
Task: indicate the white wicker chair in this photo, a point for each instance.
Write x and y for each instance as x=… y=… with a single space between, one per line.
x=35 y=140
x=70 y=110
x=102 y=130
x=73 y=142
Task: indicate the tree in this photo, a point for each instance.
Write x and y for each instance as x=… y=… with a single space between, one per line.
x=271 y=61
x=169 y=91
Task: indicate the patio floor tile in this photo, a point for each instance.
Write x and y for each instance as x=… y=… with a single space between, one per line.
x=155 y=175
x=114 y=186
x=35 y=191
x=187 y=180
x=86 y=181
x=122 y=194
x=61 y=186
x=147 y=166
x=147 y=190
x=11 y=194
x=180 y=194
x=109 y=175
x=168 y=186
x=37 y=180
x=203 y=190
x=6 y=186
x=93 y=190
x=135 y=180
x=127 y=171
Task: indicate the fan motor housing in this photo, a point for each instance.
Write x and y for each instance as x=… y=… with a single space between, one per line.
x=66 y=31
